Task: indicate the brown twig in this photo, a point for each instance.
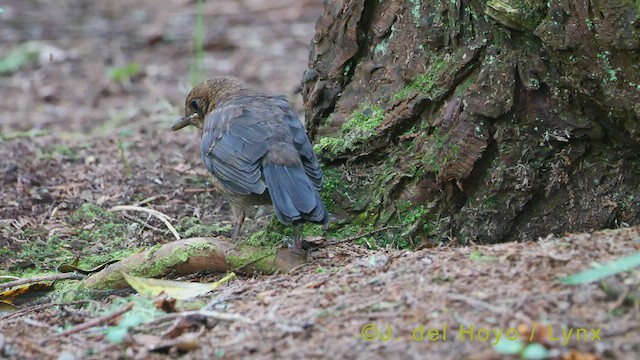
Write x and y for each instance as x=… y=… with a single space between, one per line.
x=160 y=216
x=42 y=307
x=147 y=200
x=198 y=190
x=63 y=276
x=206 y=313
x=9 y=277
x=354 y=237
x=477 y=303
x=95 y=322
x=140 y=221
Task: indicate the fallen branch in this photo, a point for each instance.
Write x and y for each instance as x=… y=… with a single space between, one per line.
x=64 y=276
x=162 y=217
x=194 y=255
x=198 y=190
x=42 y=307
x=9 y=277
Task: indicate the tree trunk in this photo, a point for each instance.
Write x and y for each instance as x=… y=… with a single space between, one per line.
x=472 y=120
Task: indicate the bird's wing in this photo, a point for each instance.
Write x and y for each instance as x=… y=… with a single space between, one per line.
x=233 y=142
x=302 y=144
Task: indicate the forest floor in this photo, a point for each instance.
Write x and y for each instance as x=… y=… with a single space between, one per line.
x=73 y=105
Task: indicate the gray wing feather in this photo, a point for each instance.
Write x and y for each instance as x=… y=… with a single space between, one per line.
x=302 y=144
x=233 y=143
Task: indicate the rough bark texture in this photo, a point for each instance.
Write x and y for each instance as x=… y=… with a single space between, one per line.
x=482 y=121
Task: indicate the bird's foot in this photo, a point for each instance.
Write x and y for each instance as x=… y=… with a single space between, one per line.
x=296 y=246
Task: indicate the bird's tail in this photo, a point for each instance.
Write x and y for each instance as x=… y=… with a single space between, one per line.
x=293 y=195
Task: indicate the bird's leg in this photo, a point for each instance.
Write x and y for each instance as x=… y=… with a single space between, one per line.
x=238 y=213
x=297 y=241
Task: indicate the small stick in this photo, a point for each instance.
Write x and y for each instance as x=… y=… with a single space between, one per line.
x=198 y=190
x=162 y=217
x=206 y=313
x=9 y=277
x=147 y=200
x=95 y=322
x=54 y=277
x=354 y=237
x=42 y=307
x=479 y=303
x=141 y=222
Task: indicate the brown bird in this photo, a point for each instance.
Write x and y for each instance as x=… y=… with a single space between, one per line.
x=257 y=150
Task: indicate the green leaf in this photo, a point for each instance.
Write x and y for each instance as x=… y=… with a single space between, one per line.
x=535 y=351
x=130 y=320
x=219 y=352
x=195 y=69
x=124 y=73
x=478 y=256
x=18 y=57
x=508 y=347
x=116 y=334
x=612 y=268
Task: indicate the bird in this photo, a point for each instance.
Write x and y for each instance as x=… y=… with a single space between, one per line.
x=258 y=151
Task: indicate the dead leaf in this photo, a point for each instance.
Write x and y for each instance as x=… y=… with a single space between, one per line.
x=166 y=303
x=7 y=307
x=65 y=268
x=25 y=293
x=576 y=355
x=180 y=290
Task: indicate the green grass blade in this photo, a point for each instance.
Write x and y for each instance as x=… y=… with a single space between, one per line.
x=614 y=267
x=195 y=71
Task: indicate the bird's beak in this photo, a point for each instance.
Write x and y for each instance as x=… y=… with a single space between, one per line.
x=183 y=121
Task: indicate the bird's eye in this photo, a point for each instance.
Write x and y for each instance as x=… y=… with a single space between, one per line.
x=195 y=105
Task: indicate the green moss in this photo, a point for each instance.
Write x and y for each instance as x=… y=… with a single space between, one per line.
x=276 y=234
x=61 y=151
x=436 y=159
x=423 y=83
x=357 y=128
x=193 y=227
x=95 y=223
x=263 y=260
x=178 y=256
x=364 y=121
x=470 y=80
x=101 y=258
x=330 y=144
x=90 y=212
x=155 y=268
x=332 y=179
x=66 y=291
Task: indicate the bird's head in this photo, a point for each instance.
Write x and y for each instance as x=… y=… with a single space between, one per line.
x=203 y=98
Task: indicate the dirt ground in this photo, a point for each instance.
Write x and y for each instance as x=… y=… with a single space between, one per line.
x=64 y=118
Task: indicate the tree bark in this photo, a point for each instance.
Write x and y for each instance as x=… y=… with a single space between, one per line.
x=483 y=121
